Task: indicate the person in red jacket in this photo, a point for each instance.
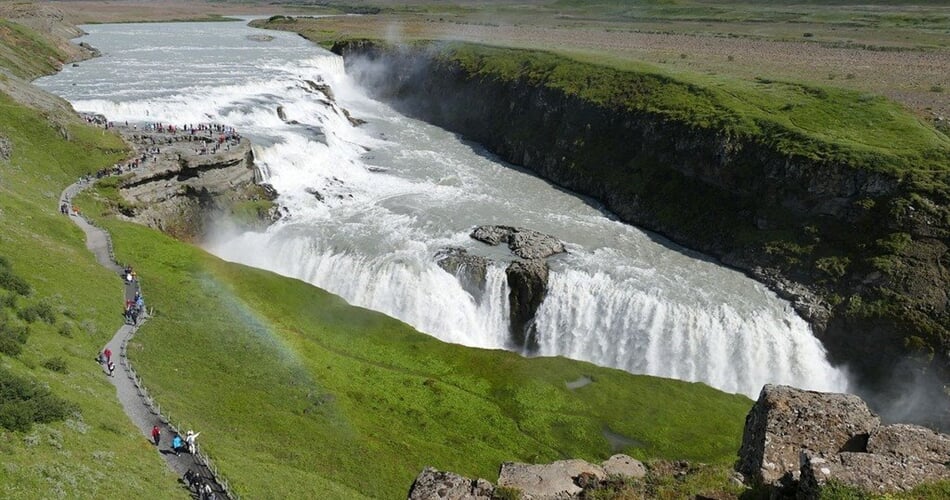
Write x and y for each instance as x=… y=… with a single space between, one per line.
x=108 y=354
x=156 y=435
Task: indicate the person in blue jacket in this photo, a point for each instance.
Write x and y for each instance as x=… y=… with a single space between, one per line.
x=177 y=444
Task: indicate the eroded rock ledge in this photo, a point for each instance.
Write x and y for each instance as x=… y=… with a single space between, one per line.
x=178 y=180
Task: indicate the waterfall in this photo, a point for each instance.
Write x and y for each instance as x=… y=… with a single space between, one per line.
x=369 y=207
x=594 y=317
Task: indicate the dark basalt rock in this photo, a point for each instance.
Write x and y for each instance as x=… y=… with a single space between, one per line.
x=469 y=269
x=316 y=194
x=525 y=243
x=528 y=282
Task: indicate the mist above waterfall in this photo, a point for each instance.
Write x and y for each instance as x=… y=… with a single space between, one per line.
x=368 y=208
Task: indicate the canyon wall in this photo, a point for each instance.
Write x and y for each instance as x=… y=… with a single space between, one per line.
x=862 y=254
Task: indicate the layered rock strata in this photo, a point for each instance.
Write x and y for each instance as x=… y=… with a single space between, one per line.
x=178 y=182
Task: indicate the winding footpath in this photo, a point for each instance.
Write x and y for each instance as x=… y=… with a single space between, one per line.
x=134 y=400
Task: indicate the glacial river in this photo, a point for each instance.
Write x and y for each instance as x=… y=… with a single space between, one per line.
x=394 y=191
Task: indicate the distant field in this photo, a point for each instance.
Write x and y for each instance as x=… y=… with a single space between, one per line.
x=917 y=76
x=897 y=49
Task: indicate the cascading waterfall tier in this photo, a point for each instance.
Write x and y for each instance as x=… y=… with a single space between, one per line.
x=369 y=208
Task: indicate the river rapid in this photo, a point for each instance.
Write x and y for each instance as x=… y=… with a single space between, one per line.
x=368 y=208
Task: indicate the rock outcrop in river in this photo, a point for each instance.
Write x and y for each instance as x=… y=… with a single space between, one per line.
x=527 y=279
x=859 y=252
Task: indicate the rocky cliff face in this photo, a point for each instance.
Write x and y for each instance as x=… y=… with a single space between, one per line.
x=178 y=182
x=860 y=257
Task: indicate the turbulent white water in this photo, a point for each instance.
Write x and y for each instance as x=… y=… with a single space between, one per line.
x=393 y=192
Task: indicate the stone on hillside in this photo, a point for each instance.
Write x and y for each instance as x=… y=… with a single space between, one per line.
x=548 y=481
x=784 y=421
x=432 y=484
x=528 y=285
x=6 y=148
x=623 y=465
x=525 y=243
x=870 y=472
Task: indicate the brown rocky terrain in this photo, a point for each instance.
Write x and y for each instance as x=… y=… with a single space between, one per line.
x=178 y=181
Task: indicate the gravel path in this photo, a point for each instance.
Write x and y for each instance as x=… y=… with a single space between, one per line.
x=133 y=400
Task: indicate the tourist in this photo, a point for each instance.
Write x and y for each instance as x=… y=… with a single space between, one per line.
x=111 y=369
x=190 y=437
x=108 y=354
x=156 y=435
x=177 y=444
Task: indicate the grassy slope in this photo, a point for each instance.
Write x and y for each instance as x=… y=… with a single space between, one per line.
x=100 y=453
x=285 y=378
x=26 y=53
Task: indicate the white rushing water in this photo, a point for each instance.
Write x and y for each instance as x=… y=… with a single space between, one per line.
x=370 y=206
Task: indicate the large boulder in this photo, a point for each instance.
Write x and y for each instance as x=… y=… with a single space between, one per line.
x=555 y=481
x=870 y=472
x=784 y=421
x=899 y=457
x=525 y=243
x=528 y=285
x=432 y=484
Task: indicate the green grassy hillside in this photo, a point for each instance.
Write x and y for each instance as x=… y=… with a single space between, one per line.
x=25 y=53
x=95 y=451
x=297 y=393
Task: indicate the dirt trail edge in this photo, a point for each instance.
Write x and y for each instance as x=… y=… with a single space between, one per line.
x=135 y=401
